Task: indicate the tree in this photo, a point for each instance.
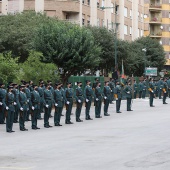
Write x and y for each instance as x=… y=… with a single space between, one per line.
x=69 y=46
x=8 y=68
x=34 y=69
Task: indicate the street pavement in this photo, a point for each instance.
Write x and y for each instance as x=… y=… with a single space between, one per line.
x=138 y=140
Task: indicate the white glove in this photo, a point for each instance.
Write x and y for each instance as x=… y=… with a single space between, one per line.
x=7 y=108
x=79 y=101
x=160 y=88
x=56 y=104
x=116 y=98
x=128 y=92
x=97 y=99
x=105 y=97
x=165 y=92
x=27 y=109
x=152 y=91
x=1 y=103
x=143 y=89
x=15 y=103
x=21 y=109
x=68 y=102
x=33 y=108
x=87 y=100
x=27 y=100
x=111 y=90
x=46 y=105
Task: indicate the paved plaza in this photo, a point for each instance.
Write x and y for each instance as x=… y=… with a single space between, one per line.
x=138 y=140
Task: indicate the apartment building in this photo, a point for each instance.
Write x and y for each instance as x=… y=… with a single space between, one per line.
x=157 y=23
x=128 y=17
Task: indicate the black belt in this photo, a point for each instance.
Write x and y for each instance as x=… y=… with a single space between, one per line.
x=69 y=97
x=80 y=95
x=89 y=95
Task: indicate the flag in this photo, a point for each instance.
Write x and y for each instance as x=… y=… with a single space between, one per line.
x=123 y=75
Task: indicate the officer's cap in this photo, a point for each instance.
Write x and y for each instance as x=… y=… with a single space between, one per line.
x=87 y=81
x=10 y=87
x=57 y=84
x=34 y=85
x=69 y=83
x=79 y=82
x=22 y=86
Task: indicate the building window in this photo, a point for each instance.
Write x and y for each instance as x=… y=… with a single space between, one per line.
x=98 y=22
x=125 y=29
x=117 y=9
x=130 y=14
x=141 y=33
x=88 y=20
x=83 y=21
x=83 y=1
x=130 y=30
x=141 y=17
x=102 y=3
x=138 y=16
x=88 y=2
x=112 y=9
x=125 y=12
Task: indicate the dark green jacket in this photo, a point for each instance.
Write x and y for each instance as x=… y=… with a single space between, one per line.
x=117 y=92
x=128 y=91
x=58 y=98
x=48 y=97
x=135 y=87
x=22 y=101
x=88 y=93
x=79 y=94
x=35 y=99
x=98 y=93
x=9 y=101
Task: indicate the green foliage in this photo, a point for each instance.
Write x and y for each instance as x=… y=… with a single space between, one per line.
x=8 y=68
x=68 y=46
x=34 y=69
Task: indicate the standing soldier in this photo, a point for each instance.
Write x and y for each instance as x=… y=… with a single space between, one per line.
x=118 y=97
x=31 y=85
x=2 y=103
x=9 y=106
x=160 y=86
x=23 y=106
x=58 y=103
x=28 y=94
x=135 y=89
x=156 y=88
x=98 y=100
x=88 y=93
x=79 y=101
x=165 y=90
x=128 y=92
x=107 y=94
x=16 y=95
x=52 y=91
x=35 y=107
x=95 y=83
x=41 y=93
x=144 y=89
x=68 y=96
x=151 y=92
x=112 y=86
x=62 y=92
x=168 y=82
x=140 y=89
x=48 y=102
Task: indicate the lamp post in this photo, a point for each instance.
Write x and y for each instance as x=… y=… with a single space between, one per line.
x=144 y=50
x=115 y=32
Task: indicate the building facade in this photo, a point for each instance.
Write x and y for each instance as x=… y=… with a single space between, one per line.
x=157 y=23
x=128 y=17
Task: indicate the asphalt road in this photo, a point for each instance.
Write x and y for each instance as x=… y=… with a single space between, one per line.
x=137 y=140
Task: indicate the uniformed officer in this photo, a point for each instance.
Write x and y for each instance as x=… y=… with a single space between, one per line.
x=144 y=86
x=118 y=96
x=95 y=83
x=79 y=101
x=98 y=96
x=28 y=94
x=9 y=109
x=41 y=93
x=52 y=92
x=140 y=89
x=165 y=90
x=68 y=97
x=35 y=107
x=88 y=93
x=62 y=92
x=128 y=92
x=31 y=85
x=23 y=106
x=135 y=89
x=16 y=95
x=151 y=89
x=160 y=86
x=156 y=88
x=168 y=82
x=2 y=103
x=107 y=95
x=112 y=86
x=58 y=103
x=48 y=102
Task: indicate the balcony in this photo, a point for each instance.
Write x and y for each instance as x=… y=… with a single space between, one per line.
x=155 y=7
x=155 y=34
x=155 y=20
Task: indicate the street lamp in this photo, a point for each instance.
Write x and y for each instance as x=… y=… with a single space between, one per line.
x=115 y=32
x=144 y=50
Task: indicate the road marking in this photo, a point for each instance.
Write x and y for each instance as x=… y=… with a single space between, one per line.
x=16 y=168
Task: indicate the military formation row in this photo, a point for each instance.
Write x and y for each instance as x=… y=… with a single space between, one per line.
x=19 y=102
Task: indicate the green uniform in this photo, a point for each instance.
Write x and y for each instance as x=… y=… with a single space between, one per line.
x=62 y=92
x=135 y=90
x=118 y=96
x=144 y=87
x=165 y=92
x=151 y=89
x=156 y=89
x=35 y=107
x=107 y=95
x=10 y=98
x=79 y=102
x=128 y=92
x=88 y=93
x=98 y=101
x=2 y=105
x=168 y=82
x=68 y=97
x=28 y=94
x=52 y=91
x=58 y=103
x=160 y=86
x=140 y=90
x=16 y=114
x=22 y=103
x=112 y=87
x=48 y=102
x=41 y=93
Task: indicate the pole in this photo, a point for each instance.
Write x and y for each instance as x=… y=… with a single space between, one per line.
x=115 y=37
